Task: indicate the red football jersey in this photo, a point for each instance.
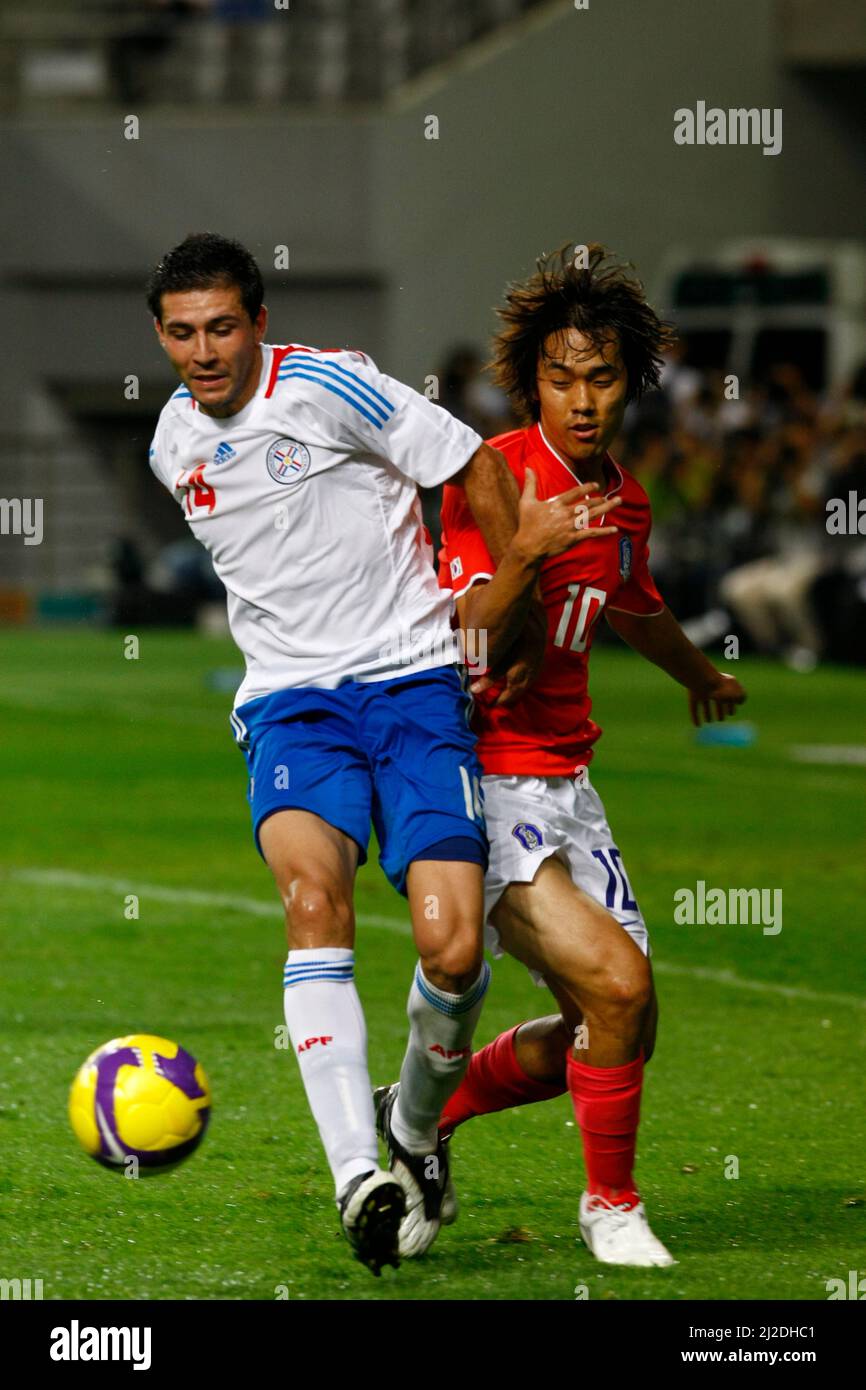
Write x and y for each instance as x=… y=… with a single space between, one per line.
x=549 y=733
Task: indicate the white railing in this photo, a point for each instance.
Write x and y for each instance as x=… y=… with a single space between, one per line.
x=211 y=52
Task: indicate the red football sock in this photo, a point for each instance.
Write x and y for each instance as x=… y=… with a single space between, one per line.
x=607 y=1109
x=495 y=1080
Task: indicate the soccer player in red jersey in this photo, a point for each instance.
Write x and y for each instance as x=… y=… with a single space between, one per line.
x=578 y=342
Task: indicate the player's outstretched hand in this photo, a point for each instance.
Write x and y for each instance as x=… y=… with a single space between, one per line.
x=553 y=526
x=716 y=700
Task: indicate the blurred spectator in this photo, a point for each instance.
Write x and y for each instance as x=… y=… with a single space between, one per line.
x=169 y=592
x=680 y=383
x=739 y=491
x=241 y=11
x=150 y=28
x=466 y=392
x=839 y=594
x=185 y=568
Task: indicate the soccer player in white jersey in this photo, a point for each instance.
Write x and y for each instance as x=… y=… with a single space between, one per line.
x=297 y=469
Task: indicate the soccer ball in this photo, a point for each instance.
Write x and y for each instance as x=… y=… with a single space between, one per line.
x=141 y=1098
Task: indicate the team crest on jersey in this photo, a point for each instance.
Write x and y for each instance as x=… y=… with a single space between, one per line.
x=529 y=835
x=456 y=567
x=288 y=461
x=624 y=557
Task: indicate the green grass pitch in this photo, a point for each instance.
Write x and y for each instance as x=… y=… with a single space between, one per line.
x=120 y=777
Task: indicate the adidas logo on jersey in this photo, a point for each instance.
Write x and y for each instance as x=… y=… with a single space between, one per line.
x=223 y=453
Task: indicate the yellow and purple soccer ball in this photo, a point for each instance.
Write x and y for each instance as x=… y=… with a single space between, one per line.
x=140 y=1097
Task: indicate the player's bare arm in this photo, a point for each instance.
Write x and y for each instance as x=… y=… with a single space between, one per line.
x=493 y=497
x=501 y=606
x=713 y=694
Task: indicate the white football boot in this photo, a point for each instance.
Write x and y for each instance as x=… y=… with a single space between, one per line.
x=371 y=1208
x=423 y=1177
x=619 y=1235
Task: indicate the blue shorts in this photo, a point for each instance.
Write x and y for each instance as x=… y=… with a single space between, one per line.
x=399 y=752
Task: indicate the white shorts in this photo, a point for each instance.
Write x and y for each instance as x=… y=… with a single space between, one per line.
x=530 y=818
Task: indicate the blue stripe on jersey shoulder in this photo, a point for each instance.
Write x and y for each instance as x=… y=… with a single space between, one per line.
x=327 y=385
x=368 y=395
x=333 y=368
x=180 y=394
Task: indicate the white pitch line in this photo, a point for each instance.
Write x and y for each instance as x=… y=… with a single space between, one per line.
x=192 y=897
x=830 y=754
x=727 y=977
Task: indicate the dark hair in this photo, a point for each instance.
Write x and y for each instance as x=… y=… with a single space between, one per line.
x=205 y=261
x=600 y=298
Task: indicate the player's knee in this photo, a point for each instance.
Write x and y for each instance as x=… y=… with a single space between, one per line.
x=630 y=991
x=625 y=988
x=454 y=965
x=317 y=914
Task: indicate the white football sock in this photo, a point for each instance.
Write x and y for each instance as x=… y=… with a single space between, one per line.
x=329 y=1036
x=440 y=1046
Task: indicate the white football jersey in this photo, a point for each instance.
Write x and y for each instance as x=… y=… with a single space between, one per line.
x=306 y=500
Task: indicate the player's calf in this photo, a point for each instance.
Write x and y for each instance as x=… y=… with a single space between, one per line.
x=447 y=993
x=326 y=1025
x=520 y=1067
x=540 y=1046
x=440 y=1045
x=438 y=1053
x=447 y=903
x=445 y=1001
x=650 y=1028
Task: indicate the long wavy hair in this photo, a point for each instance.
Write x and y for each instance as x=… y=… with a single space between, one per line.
x=600 y=298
